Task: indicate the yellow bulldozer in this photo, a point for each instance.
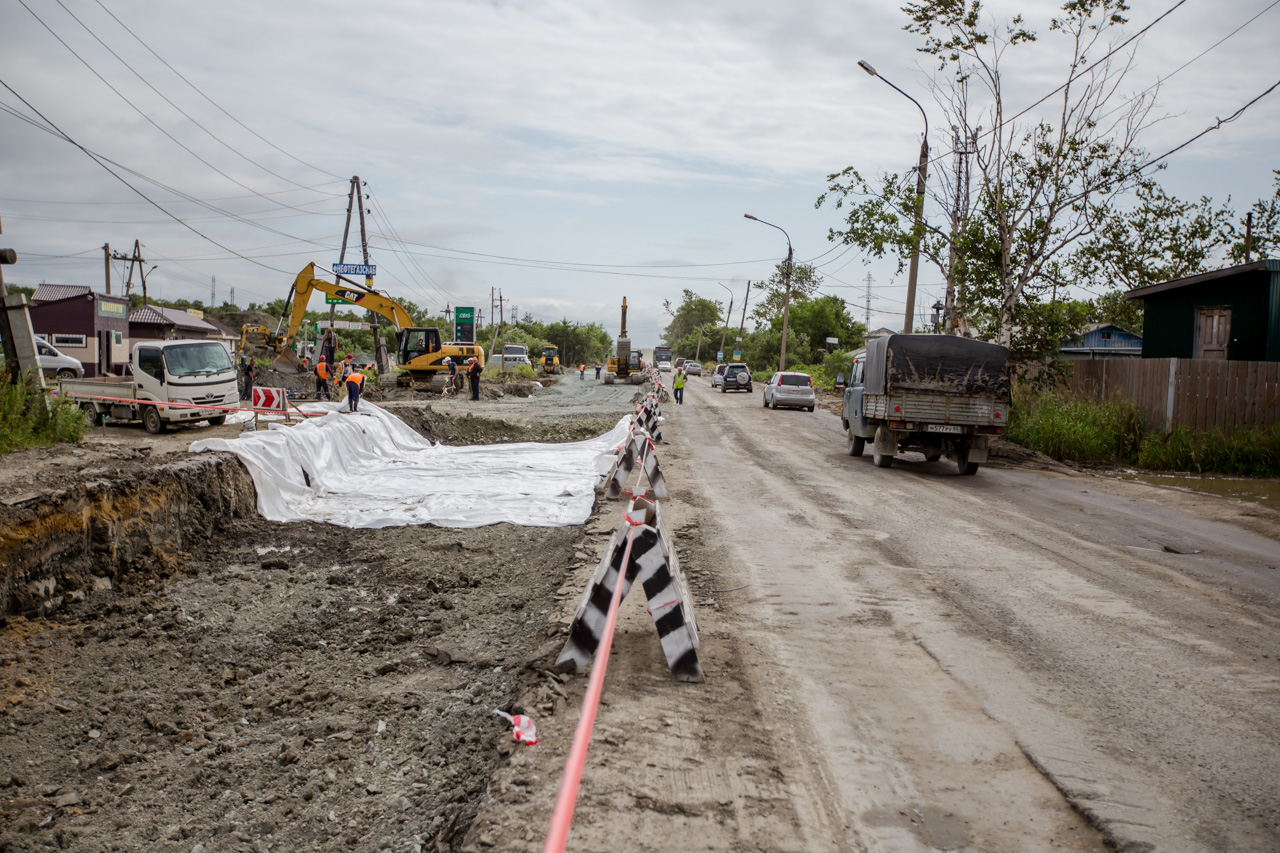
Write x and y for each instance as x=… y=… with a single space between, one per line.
x=551 y=360
x=420 y=353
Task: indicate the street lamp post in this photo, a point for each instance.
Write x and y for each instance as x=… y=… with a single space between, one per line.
x=786 y=297
x=921 y=171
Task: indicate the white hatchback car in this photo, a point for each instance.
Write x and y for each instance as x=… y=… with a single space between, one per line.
x=790 y=390
x=717 y=376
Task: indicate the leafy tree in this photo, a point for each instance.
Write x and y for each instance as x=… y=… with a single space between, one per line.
x=805 y=282
x=1266 y=229
x=693 y=313
x=1041 y=187
x=1112 y=307
x=1159 y=238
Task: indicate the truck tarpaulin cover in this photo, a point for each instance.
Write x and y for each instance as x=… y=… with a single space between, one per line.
x=371 y=470
x=936 y=363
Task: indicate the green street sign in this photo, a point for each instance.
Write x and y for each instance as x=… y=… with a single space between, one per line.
x=465 y=315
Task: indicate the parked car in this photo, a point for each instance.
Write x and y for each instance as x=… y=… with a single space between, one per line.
x=692 y=368
x=717 y=375
x=54 y=363
x=737 y=377
x=681 y=362
x=790 y=390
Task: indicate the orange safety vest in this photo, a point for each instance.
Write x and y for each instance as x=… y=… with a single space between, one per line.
x=322 y=369
x=357 y=378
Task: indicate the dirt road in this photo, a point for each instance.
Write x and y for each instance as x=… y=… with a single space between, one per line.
x=926 y=631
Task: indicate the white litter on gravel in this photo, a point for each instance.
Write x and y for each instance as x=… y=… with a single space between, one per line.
x=369 y=469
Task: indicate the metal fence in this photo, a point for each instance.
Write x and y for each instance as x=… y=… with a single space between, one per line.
x=1199 y=393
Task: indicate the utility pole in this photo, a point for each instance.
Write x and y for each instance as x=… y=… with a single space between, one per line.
x=743 y=324
x=106 y=263
x=727 y=315
x=697 y=354
x=213 y=291
x=1248 y=237
x=502 y=327
x=330 y=347
x=448 y=318
x=233 y=296
x=379 y=348
x=866 y=315
x=135 y=258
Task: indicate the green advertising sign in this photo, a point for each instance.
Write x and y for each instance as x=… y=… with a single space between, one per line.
x=465 y=315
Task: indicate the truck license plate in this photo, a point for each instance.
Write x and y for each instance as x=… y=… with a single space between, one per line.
x=942 y=428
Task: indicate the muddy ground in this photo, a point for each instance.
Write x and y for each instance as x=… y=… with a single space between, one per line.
x=225 y=683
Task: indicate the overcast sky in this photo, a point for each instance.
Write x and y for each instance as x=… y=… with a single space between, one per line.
x=567 y=153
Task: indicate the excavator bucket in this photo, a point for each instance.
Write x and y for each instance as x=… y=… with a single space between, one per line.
x=286 y=362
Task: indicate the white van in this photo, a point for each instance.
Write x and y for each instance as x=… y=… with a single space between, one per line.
x=54 y=363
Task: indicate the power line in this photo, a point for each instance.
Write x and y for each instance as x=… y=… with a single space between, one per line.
x=134 y=106
x=215 y=103
x=166 y=99
x=100 y=162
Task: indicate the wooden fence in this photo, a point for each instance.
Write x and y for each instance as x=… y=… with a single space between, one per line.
x=1195 y=392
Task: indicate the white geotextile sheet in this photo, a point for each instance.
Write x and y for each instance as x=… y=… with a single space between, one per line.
x=369 y=469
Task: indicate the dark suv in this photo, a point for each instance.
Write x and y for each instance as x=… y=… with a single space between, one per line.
x=737 y=377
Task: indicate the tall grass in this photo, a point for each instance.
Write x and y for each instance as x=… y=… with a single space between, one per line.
x=1116 y=433
x=25 y=420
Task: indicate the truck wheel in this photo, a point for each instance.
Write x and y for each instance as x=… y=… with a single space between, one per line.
x=92 y=415
x=884 y=438
x=152 y=421
x=881 y=460
x=856 y=444
x=217 y=420
x=970 y=468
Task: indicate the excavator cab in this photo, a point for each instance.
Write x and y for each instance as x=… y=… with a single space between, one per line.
x=417 y=342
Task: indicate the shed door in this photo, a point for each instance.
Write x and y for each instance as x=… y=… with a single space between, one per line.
x=1212 y=333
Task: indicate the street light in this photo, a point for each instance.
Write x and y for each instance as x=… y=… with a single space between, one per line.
x=727 y=315
x=921 y=170
x=786 y=298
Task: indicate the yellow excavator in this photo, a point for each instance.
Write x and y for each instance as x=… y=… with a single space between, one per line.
x=419 y=350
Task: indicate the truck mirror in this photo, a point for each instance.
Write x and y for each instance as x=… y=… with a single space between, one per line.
x=840 y=379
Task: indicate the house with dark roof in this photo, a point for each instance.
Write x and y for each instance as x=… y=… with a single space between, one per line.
x=1230 y=314
x=152 y=322
x=1102 y=340
x=92 y=327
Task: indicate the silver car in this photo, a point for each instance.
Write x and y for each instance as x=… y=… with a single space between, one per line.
x=717 y=377
x=790 y=390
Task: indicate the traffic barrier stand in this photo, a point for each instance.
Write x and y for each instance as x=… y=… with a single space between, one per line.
x=271 y=400
x=652 y=561
x=638 y=447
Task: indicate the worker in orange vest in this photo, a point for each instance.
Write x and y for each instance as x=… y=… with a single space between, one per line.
x=355 y=381
x=322 y=379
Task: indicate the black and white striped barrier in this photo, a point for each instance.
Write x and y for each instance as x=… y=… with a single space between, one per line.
x=653 y=563
x=637 y=448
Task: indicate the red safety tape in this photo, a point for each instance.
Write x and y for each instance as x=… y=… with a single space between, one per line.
x=567 y=797
x=196 y=406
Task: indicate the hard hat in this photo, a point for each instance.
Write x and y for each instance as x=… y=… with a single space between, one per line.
x=322 y=358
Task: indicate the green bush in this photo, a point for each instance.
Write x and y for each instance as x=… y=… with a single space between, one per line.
x=26 y=420
x=1116 y=433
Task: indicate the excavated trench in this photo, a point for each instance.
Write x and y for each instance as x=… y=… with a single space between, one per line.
x=178 y=674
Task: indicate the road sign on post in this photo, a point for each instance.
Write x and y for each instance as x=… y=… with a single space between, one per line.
x=719 y=355
x=465 y=325
x=366 y=270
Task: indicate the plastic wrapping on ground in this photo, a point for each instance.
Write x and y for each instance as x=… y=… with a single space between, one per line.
x=369 y=469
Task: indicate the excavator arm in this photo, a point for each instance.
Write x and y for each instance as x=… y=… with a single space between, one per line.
x=307 y=282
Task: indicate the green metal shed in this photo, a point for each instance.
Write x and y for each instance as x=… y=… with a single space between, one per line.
x=1231 y=314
